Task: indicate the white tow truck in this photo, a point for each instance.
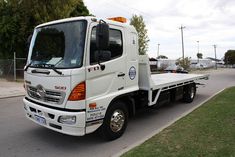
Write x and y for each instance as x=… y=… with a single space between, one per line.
x=84 y=74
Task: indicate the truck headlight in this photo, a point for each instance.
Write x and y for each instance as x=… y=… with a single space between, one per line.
x=67 y=119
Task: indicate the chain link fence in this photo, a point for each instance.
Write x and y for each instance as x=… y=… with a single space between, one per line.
x=12 y=69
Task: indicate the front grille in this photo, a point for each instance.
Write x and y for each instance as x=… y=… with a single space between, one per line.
x=50 y=96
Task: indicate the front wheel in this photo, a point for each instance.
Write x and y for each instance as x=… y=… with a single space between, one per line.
x=115 y=121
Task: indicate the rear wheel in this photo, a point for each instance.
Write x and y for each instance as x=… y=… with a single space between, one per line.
x=189 y=93
x=115 y=121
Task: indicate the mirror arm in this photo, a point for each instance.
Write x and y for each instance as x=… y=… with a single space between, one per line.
x=101 y=21
x=102 y=66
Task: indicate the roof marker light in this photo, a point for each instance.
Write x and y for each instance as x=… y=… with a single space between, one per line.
x=118 y=19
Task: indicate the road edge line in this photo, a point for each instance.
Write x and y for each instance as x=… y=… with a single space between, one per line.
x=12 y=96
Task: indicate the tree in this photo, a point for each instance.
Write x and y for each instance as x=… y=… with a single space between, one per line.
x=80 y=10
x=162 y=57
x=8 y=29
x=229 y=57
x=185 y=63
x=19 y=17
x=199 y=56
x=138 y=23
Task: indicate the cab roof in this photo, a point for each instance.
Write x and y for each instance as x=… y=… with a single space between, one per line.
x=87 y=18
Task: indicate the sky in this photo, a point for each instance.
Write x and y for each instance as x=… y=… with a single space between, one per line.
x=211 y=22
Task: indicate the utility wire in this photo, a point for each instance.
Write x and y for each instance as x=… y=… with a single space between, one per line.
x=140 y=11
x=127 y=9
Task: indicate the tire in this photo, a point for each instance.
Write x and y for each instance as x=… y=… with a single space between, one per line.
x=111 y=130
x=189 y=93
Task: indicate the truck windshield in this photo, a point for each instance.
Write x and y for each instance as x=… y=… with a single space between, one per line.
x=59 y=45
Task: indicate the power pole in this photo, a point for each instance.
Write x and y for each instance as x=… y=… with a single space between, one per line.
x=197 y=51
x=14 y=62
x=158 y=49
x=215 y=56
x=198 y=46
x=182 y=37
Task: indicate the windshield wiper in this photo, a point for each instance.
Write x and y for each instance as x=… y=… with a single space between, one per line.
x=44 y=66
x=57 y=71
x=53 y=68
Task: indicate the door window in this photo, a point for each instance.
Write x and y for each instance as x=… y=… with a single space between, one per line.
x=115 y=44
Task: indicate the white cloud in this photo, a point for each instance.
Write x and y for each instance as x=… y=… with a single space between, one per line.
x=208 y=21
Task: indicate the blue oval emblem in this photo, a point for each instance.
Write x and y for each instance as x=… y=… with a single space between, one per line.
x=132 y=73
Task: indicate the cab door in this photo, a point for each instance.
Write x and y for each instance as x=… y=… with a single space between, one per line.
x=101 y=83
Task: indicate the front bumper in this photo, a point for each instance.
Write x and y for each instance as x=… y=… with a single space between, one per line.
x=33 y=111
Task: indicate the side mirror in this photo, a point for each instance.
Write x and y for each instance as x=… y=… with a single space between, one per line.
x=102 y=56
x=102 y=36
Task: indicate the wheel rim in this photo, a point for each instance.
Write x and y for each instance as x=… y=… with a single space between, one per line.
x=192 y=93
x=117 y=120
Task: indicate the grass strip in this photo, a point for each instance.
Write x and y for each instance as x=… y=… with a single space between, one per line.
x=209 y=131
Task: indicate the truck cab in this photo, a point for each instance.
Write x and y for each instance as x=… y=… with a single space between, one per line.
x=69 y=88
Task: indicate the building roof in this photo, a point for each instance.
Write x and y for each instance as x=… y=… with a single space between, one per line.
x=213 y=59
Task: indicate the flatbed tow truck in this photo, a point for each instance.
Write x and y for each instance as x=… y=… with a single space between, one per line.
x=85 y=74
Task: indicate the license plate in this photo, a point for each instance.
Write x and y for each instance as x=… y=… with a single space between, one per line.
x=40 y=120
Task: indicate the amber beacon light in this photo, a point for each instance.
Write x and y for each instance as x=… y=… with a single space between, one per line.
x=118 y=19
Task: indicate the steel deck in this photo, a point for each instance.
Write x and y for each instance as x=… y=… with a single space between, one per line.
x=174 y=79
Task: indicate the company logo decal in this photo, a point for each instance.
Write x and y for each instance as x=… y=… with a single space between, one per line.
x=95 y=68
x=132 y=73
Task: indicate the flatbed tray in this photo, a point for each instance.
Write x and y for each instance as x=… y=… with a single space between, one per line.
x=171 y=79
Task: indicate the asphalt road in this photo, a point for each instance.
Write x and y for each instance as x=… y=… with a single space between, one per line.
x=20 y=137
